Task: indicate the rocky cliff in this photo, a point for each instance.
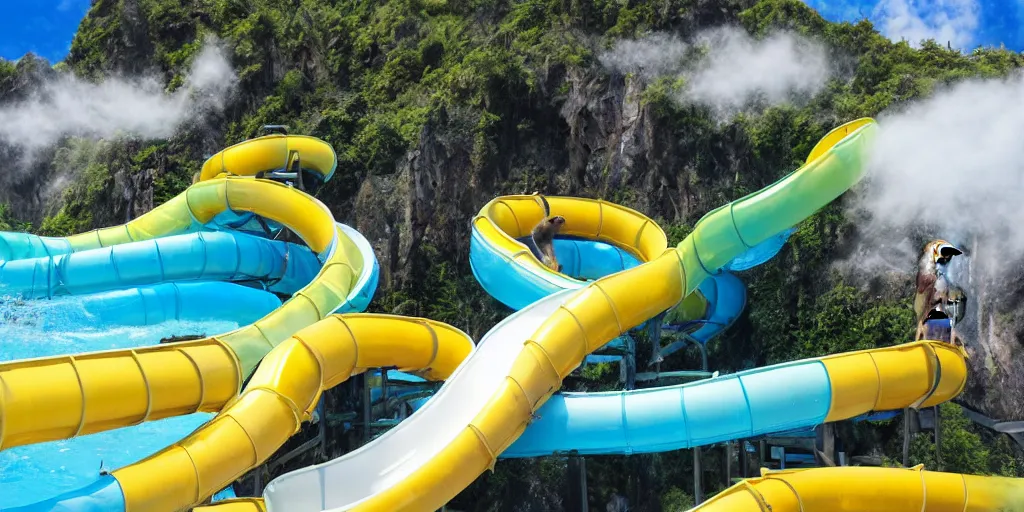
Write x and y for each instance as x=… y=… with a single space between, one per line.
x=435 y=107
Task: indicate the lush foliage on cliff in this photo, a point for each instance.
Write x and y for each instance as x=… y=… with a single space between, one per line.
x=435 y=106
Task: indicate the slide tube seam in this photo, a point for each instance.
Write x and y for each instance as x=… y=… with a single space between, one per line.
x=625 y=425
x=160 y=260
x=434 y=346
x=583 y=332
x=81 y=389
x=149 y=390
x=878 y=375
x=799 y=500
x=762 y=504
x=696 y=254
x=206 y=254
x=238 y=259
x=735 y=226
x=611 y=305
x=177 y=301
x=686 y=417
x=202 y=380
x=967 y=496
x=319 y=314
x=113 y=265
x=531 y=344
x=492 y=457
x=750 y=410
x=355 y=342
x=639 y=233
x=936 y=379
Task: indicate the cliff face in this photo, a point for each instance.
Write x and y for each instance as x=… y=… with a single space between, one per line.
x=436 y=107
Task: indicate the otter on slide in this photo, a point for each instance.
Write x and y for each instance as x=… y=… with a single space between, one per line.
x=146 y=263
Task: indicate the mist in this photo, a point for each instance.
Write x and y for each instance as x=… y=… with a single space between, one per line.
x=950 y=166
x=726 y=69
x=135 y=106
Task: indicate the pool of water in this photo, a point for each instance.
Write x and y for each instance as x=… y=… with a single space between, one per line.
x=35 y=472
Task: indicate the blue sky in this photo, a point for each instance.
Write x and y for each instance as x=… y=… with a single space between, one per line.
x=45 y=27
x=965 y=24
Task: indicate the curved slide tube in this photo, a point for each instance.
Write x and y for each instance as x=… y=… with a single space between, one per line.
x=281 y=395
x=59 y=397
x=746 y=404
x=216 y=256
x=856 y=489
x=493 y=396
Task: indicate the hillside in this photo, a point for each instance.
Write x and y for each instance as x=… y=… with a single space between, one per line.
x=436 y=106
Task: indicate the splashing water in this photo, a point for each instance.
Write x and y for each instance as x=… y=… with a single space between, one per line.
x=32 y=473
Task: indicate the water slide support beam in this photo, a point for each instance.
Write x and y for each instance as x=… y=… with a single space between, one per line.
x=906 y=437
x=698 y=494
x=728 y=463
x=367 y=410
x=578 y=483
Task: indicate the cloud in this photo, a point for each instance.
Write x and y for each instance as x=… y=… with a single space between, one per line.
x=739 y=69
x=725 y=68
x=70 y=106
x=952 y=21
x=658 y=54
x=950 y=166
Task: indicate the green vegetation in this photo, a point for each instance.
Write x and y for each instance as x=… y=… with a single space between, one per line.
x=438 y=105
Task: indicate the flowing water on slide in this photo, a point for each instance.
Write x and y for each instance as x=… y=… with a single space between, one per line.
x=61 y=326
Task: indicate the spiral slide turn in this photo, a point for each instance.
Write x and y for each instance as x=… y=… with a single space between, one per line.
x=493 y=391
x=489 y=406
x=208 y=252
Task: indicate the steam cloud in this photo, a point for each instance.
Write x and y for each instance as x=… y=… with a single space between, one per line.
x=69 y=106
x=950 y=166
x=726 y=69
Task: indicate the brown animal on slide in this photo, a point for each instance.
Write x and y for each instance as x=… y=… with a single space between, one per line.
x=544 y=235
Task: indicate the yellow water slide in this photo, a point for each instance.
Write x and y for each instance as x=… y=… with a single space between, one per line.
x=491 y=392
x=494 y=395
x=859 y=489
x=58 y=397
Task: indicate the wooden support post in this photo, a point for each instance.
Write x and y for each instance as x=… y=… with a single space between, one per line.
x=366 y=407
x=762 y=446
x=629 y=360
x=938 y=439
x=322 y=406
x=698 y=493
x=384 y=391
x=906 y=437
x=577 y=484
x=728 y=463
x=742 y=458
x=826 y=434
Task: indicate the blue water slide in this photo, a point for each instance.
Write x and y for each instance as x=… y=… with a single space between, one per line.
x=366 y=286
x=727 y=297
x=745 y=404
x=103 y=495
x=178 y=277
x=185 y=301
x=750 y=403
x=20 y=245
x=201 y=256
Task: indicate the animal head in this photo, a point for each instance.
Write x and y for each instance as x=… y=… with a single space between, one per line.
x=556 y=222
x=941 y=251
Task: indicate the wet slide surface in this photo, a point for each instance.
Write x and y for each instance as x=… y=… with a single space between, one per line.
x=489 y=406
x=209 y=258
x=499 y=397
